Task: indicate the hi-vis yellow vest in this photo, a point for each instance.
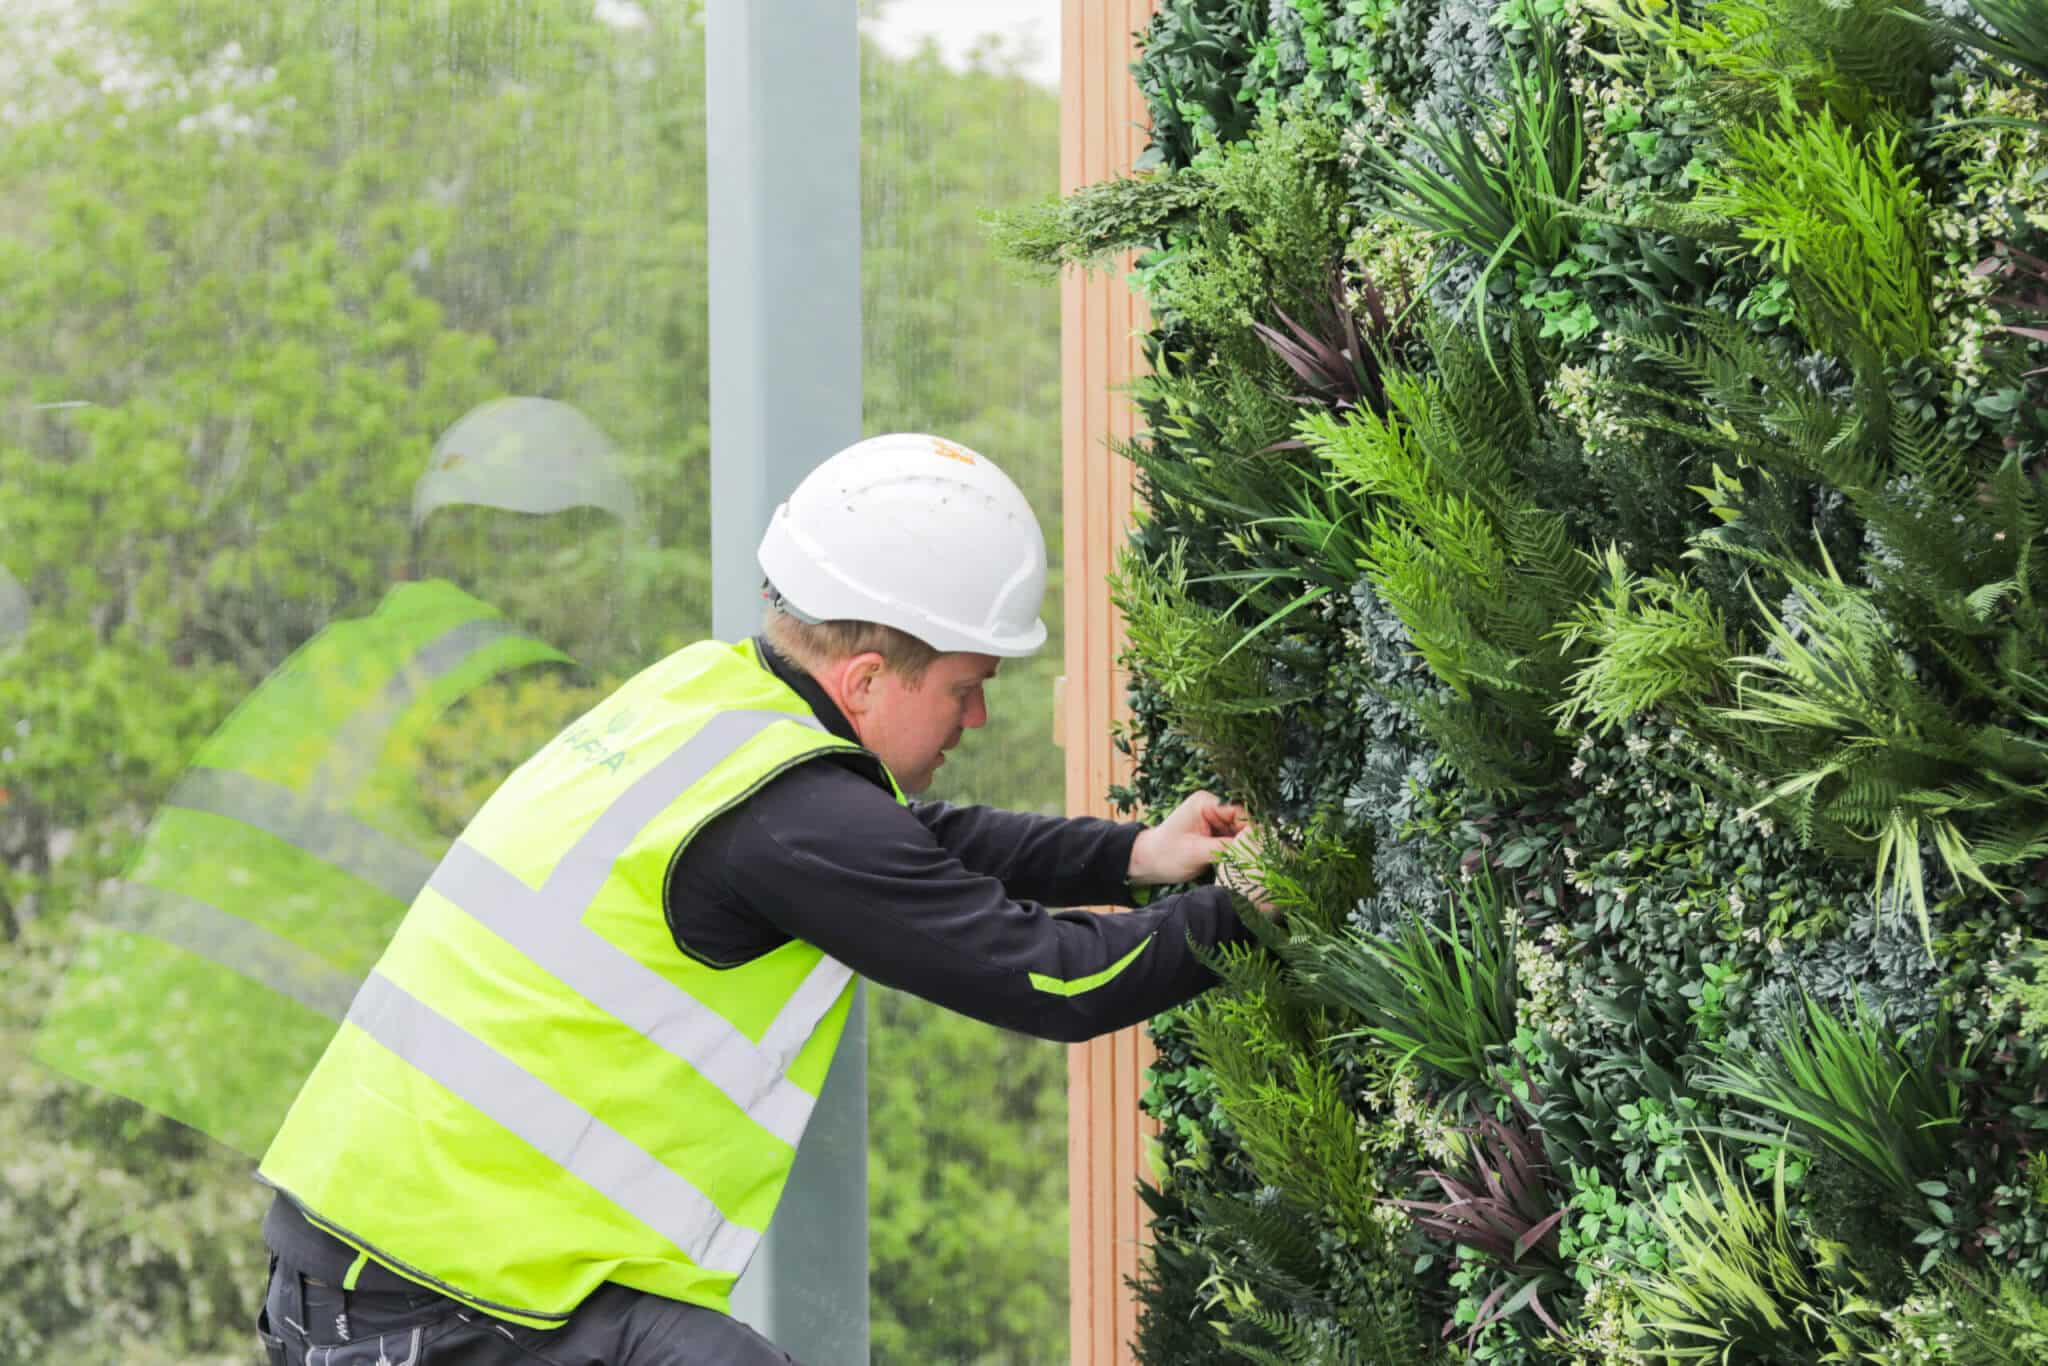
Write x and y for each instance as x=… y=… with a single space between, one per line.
x=275 y=873
x=535 y=1091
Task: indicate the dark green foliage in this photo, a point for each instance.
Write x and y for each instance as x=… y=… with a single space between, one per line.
x=1499 y=185
x=1441 y=995
x=1889 y=1107
x=1193 y=74
x=1686 y=600
x=2019 y=36
x=1171 y=1324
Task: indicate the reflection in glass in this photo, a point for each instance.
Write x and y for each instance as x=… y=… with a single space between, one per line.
x=283 y=858
x=259 y=260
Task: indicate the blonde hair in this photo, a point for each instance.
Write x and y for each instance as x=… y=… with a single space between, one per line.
x=815 y=647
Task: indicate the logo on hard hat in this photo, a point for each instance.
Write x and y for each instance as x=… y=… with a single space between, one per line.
x=952 y=452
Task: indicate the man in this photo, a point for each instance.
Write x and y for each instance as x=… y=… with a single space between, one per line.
x=565 y=1103
x=283 y=860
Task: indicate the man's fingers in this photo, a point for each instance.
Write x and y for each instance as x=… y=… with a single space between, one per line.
x=1224 y=818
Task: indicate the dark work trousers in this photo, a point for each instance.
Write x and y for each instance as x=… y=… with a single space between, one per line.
x=307 y=1323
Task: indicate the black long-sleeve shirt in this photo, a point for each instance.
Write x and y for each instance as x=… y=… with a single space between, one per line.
x=945 y=902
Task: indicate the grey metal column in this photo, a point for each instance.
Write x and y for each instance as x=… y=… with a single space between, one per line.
x=782 y=112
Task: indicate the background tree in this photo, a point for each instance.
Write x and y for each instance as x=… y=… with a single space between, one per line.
x=254 y=258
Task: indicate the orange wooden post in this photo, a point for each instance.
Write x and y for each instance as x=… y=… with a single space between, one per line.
x=1102 y=122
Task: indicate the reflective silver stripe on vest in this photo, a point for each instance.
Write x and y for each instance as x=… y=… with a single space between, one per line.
x=546 y=926
x=791 y=1028
x=233 y=943
x=577 y=1140
x=361 y=740
x=584 y=869
x=306 y=823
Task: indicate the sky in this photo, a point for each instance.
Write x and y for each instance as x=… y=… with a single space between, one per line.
x=956 y=24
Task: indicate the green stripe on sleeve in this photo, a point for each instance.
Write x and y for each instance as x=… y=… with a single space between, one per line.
x=1054 y=986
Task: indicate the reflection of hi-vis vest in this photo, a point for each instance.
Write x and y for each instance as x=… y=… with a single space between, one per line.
x=275 y=873
x=535 y=1091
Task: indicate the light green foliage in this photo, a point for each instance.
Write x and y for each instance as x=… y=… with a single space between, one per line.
x=1098 y=221
x=1478 y=568
x=1863 y=61
x=967 y=1147
x=129 y=1237
x=1223 y=692
x=1653 y=640
x=1277 y=203
x=1841 y=213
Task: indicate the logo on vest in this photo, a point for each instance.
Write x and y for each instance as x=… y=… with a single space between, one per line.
x=592 y=749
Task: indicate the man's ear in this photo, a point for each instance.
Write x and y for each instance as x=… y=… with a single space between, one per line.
x=858 y=677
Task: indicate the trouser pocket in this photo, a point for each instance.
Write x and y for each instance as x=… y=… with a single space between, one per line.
x=273 y=1345
x=403 y=1347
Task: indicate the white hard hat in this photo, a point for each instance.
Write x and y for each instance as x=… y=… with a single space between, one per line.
x=532 y=455
x=918 y=533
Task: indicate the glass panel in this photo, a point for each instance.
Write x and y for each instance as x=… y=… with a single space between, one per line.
x=288 y=585
x=967 y=1138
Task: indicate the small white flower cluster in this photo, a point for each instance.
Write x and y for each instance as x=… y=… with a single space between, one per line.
x=1573 y=394
x=1376 y=122
x=1419 y=1123
x=1910 y=1344
x=1393 y=255
x=1603 y=1335
x=1546 y=998
x=2003 y=154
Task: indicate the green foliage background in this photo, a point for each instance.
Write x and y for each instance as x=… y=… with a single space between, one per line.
x=254 y=258
x=1592 y=455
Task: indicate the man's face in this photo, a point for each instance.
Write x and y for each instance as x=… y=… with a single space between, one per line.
x=911 y=726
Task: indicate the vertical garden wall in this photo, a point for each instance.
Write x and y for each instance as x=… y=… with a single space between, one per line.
x=1592 y=459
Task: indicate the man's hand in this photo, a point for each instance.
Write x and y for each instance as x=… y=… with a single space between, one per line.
x=1182 y=846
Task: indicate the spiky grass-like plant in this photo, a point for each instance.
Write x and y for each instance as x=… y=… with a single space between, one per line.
x=1506 y=1210
x=1887 y=1106
x=1735 y=1285
x=1500 y=186
x=1441 y=995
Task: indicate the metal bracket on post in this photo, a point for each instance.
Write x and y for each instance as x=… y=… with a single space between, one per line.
x=782 y=123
